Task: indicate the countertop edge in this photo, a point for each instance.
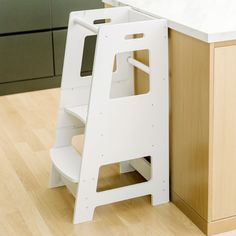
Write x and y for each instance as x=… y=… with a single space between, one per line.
x=200 y=35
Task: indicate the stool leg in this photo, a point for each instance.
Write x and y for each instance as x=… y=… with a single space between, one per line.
x=83 y=211
x=55 y=178
x=160 y=179
x=85 y=201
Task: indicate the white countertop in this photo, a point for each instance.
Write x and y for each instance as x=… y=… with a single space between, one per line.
x=207 y=20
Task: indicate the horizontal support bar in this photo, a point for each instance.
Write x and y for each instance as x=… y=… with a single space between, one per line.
x=139 y=65
x=142 y=166
x=123 y=193
x=85 y=24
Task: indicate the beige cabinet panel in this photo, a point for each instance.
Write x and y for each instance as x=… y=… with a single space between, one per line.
x=224 y=139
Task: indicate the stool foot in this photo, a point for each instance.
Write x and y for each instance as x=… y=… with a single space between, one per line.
x=160 y=198
x=83 y=213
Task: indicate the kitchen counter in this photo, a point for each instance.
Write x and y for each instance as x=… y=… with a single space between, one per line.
x=202 y=72
x=207 y=20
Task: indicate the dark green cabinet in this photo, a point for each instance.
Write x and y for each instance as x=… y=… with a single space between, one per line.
x=62 y=8
x=32 y=42
x=24 y=15
x=59 y=39
x=25 y=57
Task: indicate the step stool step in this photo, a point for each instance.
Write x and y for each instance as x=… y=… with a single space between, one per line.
x=67 y=161
x=80 y=112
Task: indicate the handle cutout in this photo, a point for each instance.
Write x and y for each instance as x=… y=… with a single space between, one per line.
x=101 y=21
x=134 y=36
x=88 y=55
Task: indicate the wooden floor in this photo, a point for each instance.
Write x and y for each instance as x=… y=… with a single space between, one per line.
x=28 y=207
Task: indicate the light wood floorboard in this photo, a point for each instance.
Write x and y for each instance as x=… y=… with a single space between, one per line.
x=29 y=207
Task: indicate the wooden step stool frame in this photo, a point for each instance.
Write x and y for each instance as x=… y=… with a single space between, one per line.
x=118 y=126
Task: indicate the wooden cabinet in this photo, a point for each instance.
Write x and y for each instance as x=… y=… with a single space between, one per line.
x=202 y=130
x=224 y=133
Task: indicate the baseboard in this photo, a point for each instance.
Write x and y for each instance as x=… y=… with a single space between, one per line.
x=209 y=228
x=221 y=226
x=29 y=85
x=189 y=212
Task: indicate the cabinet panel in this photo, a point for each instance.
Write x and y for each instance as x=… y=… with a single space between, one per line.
x=59 y=42
x=24 y=15
x=25 y=57
x=62 y=8
x=224 y=146
x=59 y=39
x=189 y=121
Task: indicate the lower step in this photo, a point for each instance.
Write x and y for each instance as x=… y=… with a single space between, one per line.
x=67 y=161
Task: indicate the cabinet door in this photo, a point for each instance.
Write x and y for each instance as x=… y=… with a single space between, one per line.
x=24 y=15
x=59 y=40
x=25 y=57
x=62 y=8
x=224 y=131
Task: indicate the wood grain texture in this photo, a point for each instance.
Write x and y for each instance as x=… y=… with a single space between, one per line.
x=221 y=227
x=190 y=112
x=198 y=178
x=29 y=207
x=224 y=146
x=189 y=120
x=225 y=43
x=190 y=212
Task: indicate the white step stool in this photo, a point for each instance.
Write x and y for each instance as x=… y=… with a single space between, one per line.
x=118 y=126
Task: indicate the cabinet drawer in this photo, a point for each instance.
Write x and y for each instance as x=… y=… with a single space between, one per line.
x=62 y=8
x=25 y=57
x=59 y=39
x=24 y=15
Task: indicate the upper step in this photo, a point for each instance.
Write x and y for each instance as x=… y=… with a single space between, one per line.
x=80 y=112
x=67 y=161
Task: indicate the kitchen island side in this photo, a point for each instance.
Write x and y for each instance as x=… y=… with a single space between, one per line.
x=202 y=128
